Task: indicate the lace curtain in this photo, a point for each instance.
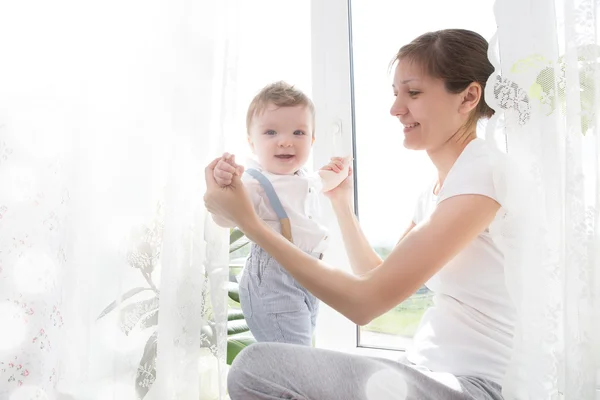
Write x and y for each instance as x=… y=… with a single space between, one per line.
x=546 y=89
x=112 y=279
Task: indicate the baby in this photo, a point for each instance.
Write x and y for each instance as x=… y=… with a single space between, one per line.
x=280 y=124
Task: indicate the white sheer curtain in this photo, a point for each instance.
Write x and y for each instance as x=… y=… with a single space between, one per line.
x=547 y=91
x=108 y=113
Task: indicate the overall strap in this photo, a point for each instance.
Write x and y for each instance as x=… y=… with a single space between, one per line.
x=286 y=228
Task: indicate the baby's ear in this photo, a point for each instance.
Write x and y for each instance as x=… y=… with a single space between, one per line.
x=313 y=140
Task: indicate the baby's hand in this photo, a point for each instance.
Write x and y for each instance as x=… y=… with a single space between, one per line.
x=226 y=169
x=338 y=164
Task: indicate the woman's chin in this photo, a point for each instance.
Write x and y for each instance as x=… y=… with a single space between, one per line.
x=412 y=144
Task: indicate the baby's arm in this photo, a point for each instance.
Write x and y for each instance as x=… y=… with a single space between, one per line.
x=335 y=172
x=224 y=172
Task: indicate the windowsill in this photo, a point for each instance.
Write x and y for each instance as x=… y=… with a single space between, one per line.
x=378 y=353
x=383 y=341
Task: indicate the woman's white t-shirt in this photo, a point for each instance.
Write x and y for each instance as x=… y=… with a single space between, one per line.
x=469 y=330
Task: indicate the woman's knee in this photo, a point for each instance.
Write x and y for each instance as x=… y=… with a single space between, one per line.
x=246 y=368
x=262 y=365
x=244 y=357
x=250 y=354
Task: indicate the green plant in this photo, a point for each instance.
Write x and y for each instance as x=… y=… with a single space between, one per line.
x=143 y=313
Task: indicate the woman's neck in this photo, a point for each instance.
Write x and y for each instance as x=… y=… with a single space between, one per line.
x=445 y=156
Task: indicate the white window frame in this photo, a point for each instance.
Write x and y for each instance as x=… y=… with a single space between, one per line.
x=333 y=98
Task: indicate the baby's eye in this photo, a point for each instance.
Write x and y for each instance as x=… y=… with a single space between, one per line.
x=299 y=132
x=270 y=132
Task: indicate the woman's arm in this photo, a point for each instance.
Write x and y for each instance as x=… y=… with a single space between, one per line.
x=360 y=253
x=454 y=224
x=407 y=231
x=419 y=255
x=223 y=222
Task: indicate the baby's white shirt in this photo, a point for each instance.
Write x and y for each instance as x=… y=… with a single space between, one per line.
x=300 y=197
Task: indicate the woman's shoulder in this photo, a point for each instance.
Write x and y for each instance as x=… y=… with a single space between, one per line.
x=476 y=171
x=480 y=153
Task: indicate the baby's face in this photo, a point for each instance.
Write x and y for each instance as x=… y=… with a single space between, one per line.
x=281 y=138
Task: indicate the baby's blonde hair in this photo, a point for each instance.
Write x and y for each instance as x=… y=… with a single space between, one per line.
x=280 y=94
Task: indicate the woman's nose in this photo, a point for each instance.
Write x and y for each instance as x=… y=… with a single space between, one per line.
x=398 y=107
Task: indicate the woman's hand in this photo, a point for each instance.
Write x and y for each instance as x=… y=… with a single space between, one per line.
x=344 y=191
x=231 y=202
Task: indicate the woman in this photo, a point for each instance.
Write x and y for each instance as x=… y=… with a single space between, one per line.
x=462 y=347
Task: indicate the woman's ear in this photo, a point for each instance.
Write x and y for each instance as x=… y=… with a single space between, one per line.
x=471 y=97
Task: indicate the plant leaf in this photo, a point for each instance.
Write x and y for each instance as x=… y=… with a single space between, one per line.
x=124 y=296
x=233 y=290
x=237 y=246
x=235 y=235
x=146 y=373
x=233 y=314
x=235 y=345
x=238 y=263
x=235 y=273
x=207 y=336
x=133 y=313
x=149 y=320
x=237 y=326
